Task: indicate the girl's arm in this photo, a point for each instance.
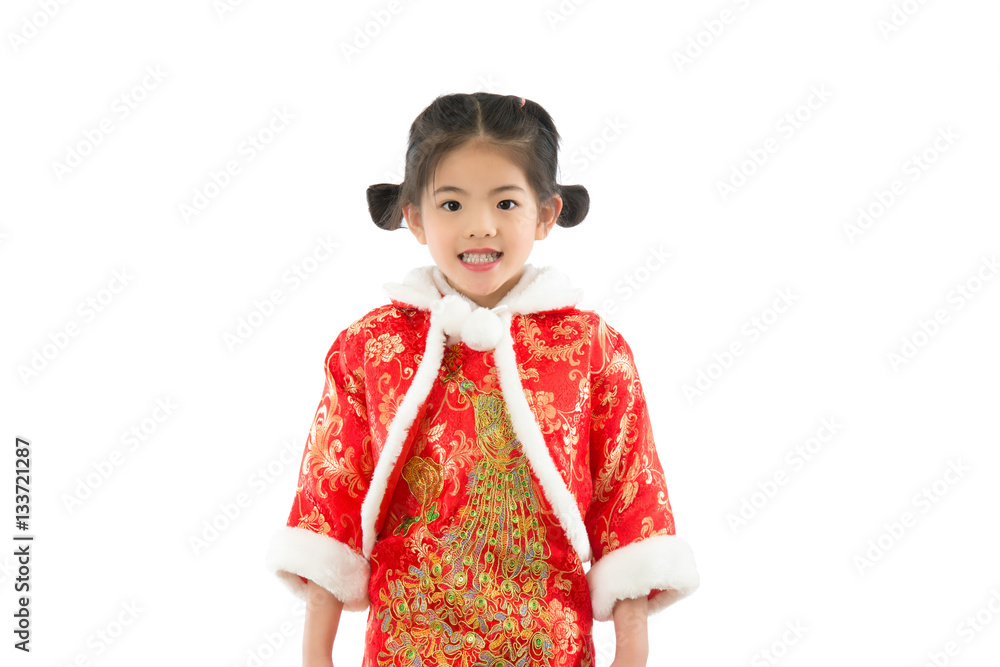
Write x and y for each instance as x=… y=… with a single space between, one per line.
x=322 y=618
x=631 y=636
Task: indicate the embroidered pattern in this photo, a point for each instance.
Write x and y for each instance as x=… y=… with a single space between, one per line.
x=479 y=596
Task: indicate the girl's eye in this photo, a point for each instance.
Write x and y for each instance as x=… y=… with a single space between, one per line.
x=452 y=201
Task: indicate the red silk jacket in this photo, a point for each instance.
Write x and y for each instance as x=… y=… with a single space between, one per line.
x=574 y=408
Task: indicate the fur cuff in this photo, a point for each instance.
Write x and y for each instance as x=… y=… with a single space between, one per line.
x=297 y=552
x=663 y=562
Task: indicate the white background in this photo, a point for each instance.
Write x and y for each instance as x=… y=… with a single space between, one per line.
x=651 y=138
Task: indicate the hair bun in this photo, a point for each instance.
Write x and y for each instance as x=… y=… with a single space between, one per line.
x=381 y=200
x=576 y=204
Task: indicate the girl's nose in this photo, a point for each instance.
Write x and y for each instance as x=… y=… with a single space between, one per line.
x=481 y=224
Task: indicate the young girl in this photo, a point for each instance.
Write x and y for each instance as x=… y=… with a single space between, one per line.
x=480 y=438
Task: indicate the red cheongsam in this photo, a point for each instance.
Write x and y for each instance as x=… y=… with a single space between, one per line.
x=471 y=567
x=462 y=466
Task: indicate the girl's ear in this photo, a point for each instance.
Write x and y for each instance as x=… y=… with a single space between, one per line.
x=547 y=216
x=413 y=222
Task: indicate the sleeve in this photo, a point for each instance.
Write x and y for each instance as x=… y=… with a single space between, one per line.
x=322 y=539
x=629 y=521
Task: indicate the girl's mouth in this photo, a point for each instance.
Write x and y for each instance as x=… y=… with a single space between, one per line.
x=480 y=261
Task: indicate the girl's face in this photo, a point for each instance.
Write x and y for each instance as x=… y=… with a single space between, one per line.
x=480 y=203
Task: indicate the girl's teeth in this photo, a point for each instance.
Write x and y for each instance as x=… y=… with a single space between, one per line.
x=480 y=257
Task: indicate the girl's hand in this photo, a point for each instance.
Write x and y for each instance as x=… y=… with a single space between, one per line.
x=631 y=633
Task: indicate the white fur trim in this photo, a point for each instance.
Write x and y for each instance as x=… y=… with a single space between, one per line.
x=547 y=288
x=417 y=288
x=398 y=429
x=539 y=289
x=663 y=562
x=533 y=445
x=330 y=563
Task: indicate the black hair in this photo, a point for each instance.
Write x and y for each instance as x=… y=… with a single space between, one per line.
x=525 y=134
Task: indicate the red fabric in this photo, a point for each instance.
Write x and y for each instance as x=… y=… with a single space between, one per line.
x=419 y=583
x=338 y=462
x=630 y=501
x=581 y=383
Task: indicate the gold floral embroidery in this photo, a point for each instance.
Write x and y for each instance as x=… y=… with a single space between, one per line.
x=383 y=348
x=377 y=315
x=629 y=486
x=423 y=476
x=355 y=391
x=542 y=404
x=609 y=541
x=457 y=455
x=337 y=468
x=315 y=522
x=611 y=473
x=575 y=328
x=565 y=628
x=389 y=405
x=434 y=432
x=328 y=460
x=647 y=529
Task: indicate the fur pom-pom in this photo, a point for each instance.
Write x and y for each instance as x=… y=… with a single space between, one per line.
x=482 y=329
x=454 y=310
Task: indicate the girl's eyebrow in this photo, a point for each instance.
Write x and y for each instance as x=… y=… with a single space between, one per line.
x=452 y=188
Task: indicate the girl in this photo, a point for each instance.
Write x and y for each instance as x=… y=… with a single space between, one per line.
x=480 y=438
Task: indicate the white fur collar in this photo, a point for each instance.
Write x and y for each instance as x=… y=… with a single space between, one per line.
x=539 y=289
